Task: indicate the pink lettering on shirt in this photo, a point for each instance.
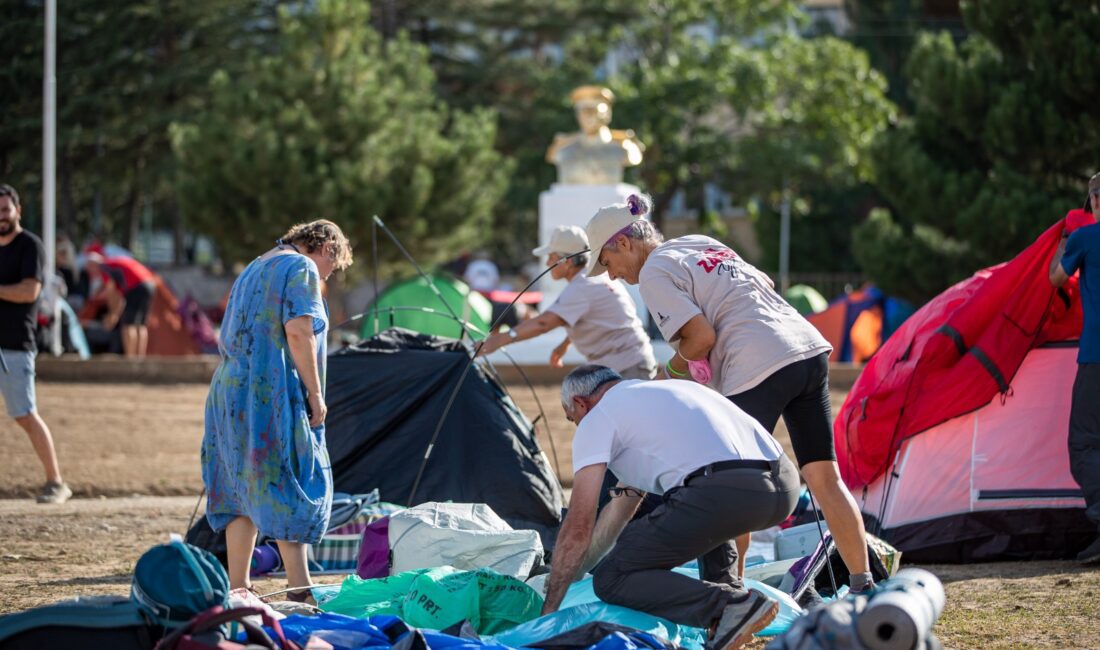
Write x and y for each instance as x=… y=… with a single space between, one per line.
x=713 y=257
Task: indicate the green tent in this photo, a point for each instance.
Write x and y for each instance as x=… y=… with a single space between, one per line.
x=413 y=305
x=806 y=299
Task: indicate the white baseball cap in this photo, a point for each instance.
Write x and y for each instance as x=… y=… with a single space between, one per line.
x=606 y=223
x=565 y=240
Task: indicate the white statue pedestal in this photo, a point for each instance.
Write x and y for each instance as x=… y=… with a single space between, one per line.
x=569 y=205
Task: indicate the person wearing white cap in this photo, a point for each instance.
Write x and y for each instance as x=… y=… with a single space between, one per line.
x=598 y=314
x=733 y=332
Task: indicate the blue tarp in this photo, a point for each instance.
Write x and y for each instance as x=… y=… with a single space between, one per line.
x=579 y=607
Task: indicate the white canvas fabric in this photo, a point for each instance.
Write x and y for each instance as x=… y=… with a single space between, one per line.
x=466 y=536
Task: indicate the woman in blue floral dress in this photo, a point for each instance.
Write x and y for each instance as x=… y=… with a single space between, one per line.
x=264 y=460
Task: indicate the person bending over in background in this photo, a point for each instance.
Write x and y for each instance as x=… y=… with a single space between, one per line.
x=264 y=460
x=720 y=475
x=732 y=331
x=136 y=284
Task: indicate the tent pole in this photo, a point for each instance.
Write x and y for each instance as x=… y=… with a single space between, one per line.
x=374 y=256
x=470 y=364
x=428 y=280
x=542 y=414
x=821 y=534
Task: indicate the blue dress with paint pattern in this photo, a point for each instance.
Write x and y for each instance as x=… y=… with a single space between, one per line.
x=260 y=458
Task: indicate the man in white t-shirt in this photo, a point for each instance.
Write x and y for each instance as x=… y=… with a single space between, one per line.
x=720 y=473
x=732 y=331
x=598 y=314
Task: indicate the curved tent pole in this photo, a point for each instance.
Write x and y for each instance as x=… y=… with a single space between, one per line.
x=542 y=411
x=374 y=258
x=426 y=277
x=473 y=357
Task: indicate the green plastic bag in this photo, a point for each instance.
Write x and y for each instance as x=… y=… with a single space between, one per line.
x=439 y=597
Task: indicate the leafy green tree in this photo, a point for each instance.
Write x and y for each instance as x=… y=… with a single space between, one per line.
x=125 y=71
x=810 y=112
x=703 y=82
x=887 y=31
x=521 y=58
x=1002 y=139
x=335 y=122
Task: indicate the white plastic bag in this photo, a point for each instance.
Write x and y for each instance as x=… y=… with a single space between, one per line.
x=466 y=536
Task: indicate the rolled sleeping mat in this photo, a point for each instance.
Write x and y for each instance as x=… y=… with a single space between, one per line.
x=902 y=615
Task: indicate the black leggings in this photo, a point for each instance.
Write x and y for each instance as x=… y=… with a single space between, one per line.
x=800 y=393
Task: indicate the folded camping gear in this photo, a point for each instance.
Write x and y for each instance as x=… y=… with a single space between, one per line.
x=174 y=582
x=83 y=623
x=338 y=550
x=466 y=536
x=597 y=633
x=798 y=541
x=581 y=606
x=374 y=550
x=439 y=597
x=899 y=616
x=265 y=559
x=378 y=633
x=811 y=571
x=203 y=536
x=562 y=621
x=828 y=627
x=346 y=507
x=205 y=632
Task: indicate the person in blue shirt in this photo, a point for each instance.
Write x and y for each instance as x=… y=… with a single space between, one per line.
x=1080 y=251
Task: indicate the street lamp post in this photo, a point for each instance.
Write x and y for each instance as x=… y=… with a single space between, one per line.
x=785 y=240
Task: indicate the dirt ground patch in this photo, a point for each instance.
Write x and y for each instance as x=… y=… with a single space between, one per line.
x=139 y=445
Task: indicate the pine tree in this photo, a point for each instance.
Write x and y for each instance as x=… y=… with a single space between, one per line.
x=1001 y=142
x=334 y=122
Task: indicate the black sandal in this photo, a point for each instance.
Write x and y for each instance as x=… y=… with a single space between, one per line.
x=303 y=595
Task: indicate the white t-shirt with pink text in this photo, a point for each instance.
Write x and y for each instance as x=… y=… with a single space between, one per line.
x=757 y=331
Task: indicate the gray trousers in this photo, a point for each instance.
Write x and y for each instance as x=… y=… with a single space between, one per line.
x=697 y=520
x=1084 y=437
x=643 y=370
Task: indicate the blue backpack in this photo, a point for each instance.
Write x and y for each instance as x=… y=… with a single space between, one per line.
x=173 y=582
x=82 y=623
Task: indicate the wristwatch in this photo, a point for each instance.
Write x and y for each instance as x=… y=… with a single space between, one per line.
x=513 y=335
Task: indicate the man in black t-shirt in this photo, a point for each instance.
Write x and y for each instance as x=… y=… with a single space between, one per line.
x=22 y=260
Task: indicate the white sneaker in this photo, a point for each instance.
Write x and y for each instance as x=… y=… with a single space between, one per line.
x=740 y=621
x=54 y=493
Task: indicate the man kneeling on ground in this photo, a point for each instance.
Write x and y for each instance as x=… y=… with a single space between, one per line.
x=721 y=475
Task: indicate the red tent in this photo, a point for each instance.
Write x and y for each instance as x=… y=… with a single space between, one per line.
x=955 y=354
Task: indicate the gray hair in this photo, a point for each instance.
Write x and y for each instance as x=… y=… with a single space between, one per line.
x=584 y=381
x=578 y=260
x=641 y=230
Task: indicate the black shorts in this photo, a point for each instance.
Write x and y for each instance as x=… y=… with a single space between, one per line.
x=138 y=301
x=800 y=393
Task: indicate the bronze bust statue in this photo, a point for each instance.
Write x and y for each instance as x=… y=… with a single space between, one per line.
x=597 y=154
